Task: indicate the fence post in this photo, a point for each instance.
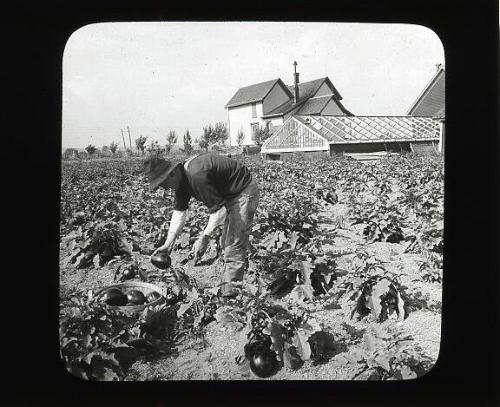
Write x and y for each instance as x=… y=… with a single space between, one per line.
x=123 y=138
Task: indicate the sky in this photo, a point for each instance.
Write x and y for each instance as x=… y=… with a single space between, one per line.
x=159 y=76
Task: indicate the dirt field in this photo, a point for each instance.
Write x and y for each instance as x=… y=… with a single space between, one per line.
x=357 y=348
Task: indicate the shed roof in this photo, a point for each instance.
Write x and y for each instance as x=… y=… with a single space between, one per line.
x=431 y=101
x=254 y=93
x=353 y=129
x=348 y=129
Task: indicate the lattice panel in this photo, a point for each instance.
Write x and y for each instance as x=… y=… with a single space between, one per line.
x=294 y=135
x=328 y=130
x=379 y=128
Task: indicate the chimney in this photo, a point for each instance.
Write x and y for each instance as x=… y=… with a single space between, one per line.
x=295 y=82
x=438 y=66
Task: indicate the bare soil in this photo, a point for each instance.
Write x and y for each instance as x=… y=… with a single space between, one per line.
x=213 y=356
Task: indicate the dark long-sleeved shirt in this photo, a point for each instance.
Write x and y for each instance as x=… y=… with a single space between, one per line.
x=212 y=179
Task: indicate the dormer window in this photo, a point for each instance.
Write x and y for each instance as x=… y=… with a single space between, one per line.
x=254 y=109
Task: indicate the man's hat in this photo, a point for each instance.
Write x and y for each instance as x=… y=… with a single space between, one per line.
x=157 y=169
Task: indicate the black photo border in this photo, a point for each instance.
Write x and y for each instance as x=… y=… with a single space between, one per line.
x=466 y=373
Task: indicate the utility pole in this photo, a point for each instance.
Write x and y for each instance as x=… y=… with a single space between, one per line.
x=123 y=138
x=129 y=139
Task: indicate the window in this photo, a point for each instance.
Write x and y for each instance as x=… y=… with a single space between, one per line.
x=268 y=125
x=254 y=127
x=254 y=110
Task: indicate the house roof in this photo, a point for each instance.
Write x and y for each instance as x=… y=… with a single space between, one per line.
x=254 y=93
x=306 y=91
x=257 y=92
x=282 y=109
x=431 y=101
x=314 y=105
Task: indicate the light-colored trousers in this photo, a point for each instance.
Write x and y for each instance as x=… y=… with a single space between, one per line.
x=236 y=230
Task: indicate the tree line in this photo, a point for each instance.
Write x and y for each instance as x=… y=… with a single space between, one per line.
x=212 y=134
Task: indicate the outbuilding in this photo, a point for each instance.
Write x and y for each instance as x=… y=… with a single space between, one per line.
x=356 y=136
x=431 y=103
x=365 y=137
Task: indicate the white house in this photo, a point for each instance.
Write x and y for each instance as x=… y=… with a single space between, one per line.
x=271 y=103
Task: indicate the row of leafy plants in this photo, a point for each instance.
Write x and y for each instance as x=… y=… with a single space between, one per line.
x=108 y=213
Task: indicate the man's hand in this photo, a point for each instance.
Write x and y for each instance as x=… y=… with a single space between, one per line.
x=200 y=246
x=176 y=224
x=162 y=249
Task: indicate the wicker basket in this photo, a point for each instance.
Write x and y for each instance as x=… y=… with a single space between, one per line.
x=145 y=288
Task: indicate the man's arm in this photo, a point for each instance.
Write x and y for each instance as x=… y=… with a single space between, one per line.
x=215 y=219
x=177 y=222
